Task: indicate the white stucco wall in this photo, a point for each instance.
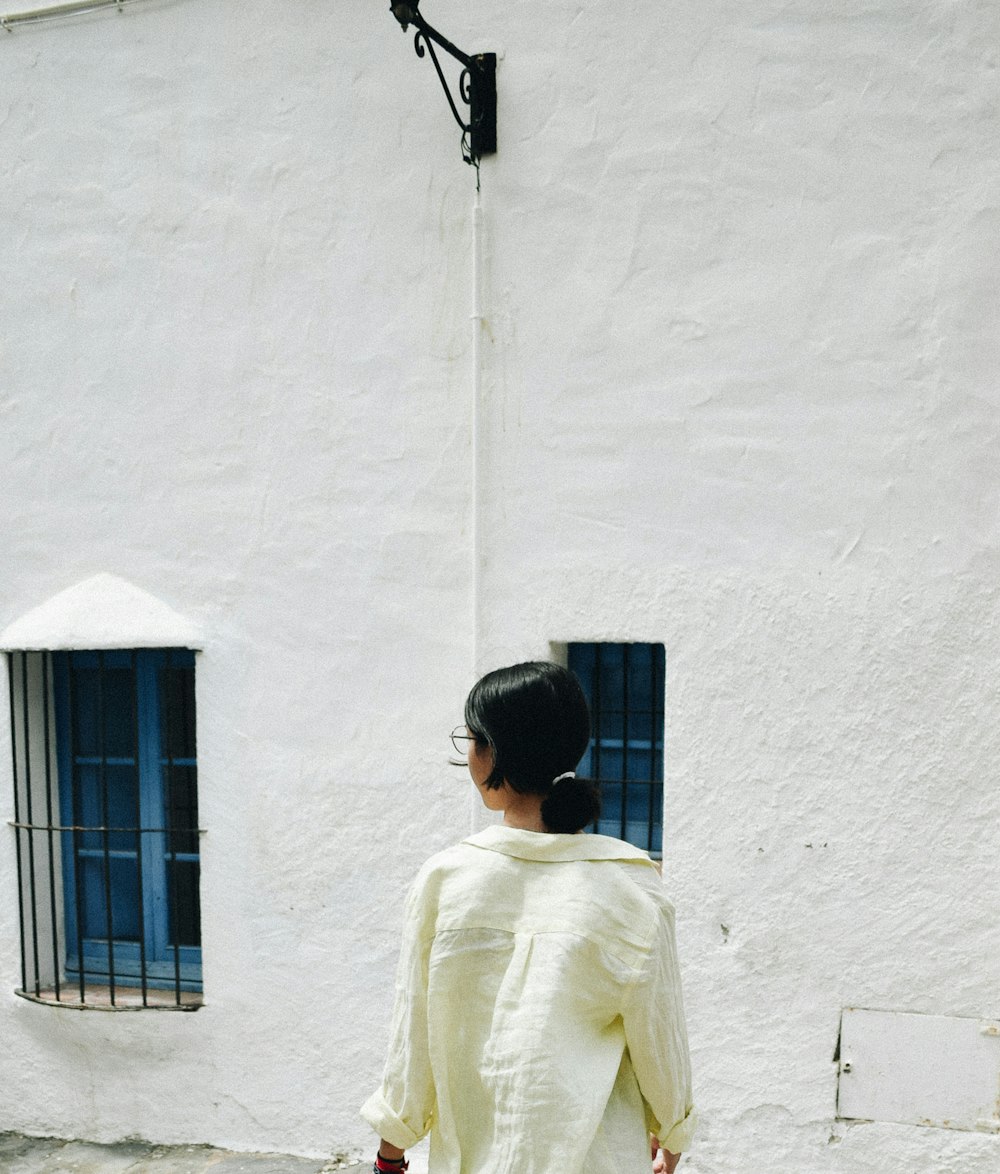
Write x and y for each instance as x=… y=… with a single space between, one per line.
x=737 y=394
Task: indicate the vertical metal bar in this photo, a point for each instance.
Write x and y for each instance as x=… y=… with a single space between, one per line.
x=168 y=805
x=625 y=700
x=188 y=741
x=141 y=902
x=47 y=732
x=652 y=739
x=76 y=804
x=30 y=821
x=597 y=716
x=189 y=749
x=105 y=820
x=17 y=812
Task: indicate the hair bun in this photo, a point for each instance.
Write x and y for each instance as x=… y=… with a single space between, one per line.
x=571 y=804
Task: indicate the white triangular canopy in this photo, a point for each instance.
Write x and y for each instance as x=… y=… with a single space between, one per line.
x=102 y=612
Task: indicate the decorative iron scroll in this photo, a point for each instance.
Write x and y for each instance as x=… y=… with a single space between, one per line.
x=477 y=85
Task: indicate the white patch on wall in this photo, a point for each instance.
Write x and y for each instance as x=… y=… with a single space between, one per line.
x=104 y=611
x=919 y=1070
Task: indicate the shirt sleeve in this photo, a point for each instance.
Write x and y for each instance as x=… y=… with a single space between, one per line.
x=401 y=1110
x=656 y=1035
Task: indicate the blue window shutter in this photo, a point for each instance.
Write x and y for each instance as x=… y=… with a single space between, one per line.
x=111 y=713
x=624 y=686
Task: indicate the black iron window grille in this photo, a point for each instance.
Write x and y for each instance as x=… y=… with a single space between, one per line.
x=624 y=684
x=106 y=827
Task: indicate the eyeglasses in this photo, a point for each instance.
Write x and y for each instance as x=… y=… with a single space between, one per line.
x=460 y=739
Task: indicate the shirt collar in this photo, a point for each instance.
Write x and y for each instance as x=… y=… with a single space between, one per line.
x=551 y=846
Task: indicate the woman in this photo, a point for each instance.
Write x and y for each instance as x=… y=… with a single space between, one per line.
x=538 y=1025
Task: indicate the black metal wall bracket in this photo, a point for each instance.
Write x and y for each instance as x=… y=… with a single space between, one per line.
x=477 y=85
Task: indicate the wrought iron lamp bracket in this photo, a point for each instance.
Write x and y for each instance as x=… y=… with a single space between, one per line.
x=477 y=84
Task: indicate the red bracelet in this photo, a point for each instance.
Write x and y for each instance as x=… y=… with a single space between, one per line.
x=389 y=1165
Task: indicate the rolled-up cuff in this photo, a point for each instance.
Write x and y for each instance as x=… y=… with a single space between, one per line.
x=679 y=1137
x=388 y=1124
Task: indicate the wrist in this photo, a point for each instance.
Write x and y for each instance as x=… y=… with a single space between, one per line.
x=390 y=1165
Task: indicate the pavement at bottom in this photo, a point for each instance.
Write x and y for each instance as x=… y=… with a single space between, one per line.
x=50 y=1155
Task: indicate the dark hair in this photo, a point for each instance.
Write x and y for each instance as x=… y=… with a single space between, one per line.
x=535 y=719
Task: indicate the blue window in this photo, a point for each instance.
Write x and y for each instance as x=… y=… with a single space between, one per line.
x=127 y=793
x=624 y=688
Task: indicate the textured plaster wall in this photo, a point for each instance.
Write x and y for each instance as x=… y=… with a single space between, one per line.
x=737 y=394
x=755 y=417
x=235 y=372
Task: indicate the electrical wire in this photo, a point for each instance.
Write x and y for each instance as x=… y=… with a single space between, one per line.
x=58 y=11
x=475 y=806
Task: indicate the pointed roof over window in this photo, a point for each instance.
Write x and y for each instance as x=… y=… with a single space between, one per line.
x=102 y=612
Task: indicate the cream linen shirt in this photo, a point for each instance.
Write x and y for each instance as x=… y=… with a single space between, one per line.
x=538 y=1025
